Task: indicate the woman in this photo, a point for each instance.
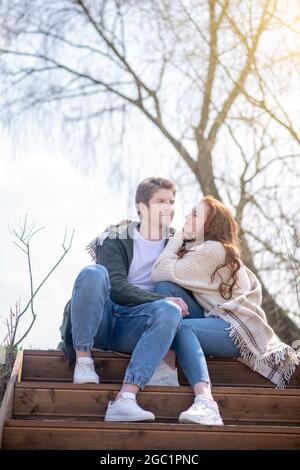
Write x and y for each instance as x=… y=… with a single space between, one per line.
x=204 y=258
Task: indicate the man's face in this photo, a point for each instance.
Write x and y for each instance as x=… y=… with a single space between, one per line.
x=160 y=212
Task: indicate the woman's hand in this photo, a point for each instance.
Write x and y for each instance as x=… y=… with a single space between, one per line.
x=186 y=234
x=182 y=234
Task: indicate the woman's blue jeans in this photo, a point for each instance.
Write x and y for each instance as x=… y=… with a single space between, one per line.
x=145 y=330
x=198 y=336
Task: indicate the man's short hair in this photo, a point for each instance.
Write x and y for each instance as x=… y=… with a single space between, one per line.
x=148 y=187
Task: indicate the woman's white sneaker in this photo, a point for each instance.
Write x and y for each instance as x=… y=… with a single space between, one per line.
x=127 y=409
x=84 y=372
x=203 y=411
x=164 y=376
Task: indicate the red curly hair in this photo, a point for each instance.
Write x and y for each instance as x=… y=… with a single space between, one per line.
x=221 y=226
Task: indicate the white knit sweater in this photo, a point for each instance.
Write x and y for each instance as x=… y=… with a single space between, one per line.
x=194 y=270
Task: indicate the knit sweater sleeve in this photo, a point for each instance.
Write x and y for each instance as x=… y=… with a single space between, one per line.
x=192 y=268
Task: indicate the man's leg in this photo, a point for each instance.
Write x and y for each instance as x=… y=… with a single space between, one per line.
x=147 y=332
x=171 y=289
x=90 y=306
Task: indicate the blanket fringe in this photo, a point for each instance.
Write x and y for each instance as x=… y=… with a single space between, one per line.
x=91 y=248
x=261 y=364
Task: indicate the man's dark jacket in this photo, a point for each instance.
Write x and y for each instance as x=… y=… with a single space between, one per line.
x=114 y=250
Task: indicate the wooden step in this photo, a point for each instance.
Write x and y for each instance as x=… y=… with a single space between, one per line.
x=21 y=434
x=236 y=404
x=52 y=366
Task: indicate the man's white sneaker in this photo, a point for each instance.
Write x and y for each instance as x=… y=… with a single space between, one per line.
x=84 y=372
x=203 y=411
x=127 y=409
x=164 y=376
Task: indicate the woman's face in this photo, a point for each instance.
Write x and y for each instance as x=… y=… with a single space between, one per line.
x=195 y=220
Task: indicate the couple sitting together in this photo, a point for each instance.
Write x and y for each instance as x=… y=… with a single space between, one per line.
x=158 y=294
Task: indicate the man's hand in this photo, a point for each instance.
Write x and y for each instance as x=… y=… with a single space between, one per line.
x=181 y=303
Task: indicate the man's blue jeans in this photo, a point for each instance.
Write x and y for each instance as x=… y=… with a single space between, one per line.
x=198 y=336
x=145 y=330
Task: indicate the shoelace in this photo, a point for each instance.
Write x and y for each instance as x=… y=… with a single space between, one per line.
x=209 y=408
x=126 y=400
x=129 y=400
x=86 y=368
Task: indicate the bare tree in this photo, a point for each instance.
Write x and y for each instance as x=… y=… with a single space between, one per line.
x=15 y=334
x=24 y=236
x=214 y=77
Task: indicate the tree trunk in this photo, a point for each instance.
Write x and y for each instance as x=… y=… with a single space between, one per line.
x=204 y=172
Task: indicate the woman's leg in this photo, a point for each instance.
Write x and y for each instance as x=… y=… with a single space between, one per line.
x=195 y=339
x=174 y=290
x=200 y=337
x=190 y=355
x=195 y=310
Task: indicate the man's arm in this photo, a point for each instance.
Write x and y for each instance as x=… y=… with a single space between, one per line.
x=122 y=292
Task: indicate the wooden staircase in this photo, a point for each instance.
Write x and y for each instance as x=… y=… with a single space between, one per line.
x=43 y=409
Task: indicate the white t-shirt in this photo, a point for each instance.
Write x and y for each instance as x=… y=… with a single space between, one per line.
x=145 y=253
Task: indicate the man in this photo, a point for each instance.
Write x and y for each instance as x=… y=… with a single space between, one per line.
x=114 y=305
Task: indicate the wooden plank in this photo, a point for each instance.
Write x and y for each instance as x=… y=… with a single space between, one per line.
x=236 y=404
x=71 y=386
x=6 y=409
x=58 y=352
x=48 y=365
x=160 y=426
x=132 y=436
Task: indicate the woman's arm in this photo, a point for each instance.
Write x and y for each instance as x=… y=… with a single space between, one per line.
x=192 y=268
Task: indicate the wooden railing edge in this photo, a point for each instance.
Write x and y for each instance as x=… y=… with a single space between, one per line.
x=6 y=409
